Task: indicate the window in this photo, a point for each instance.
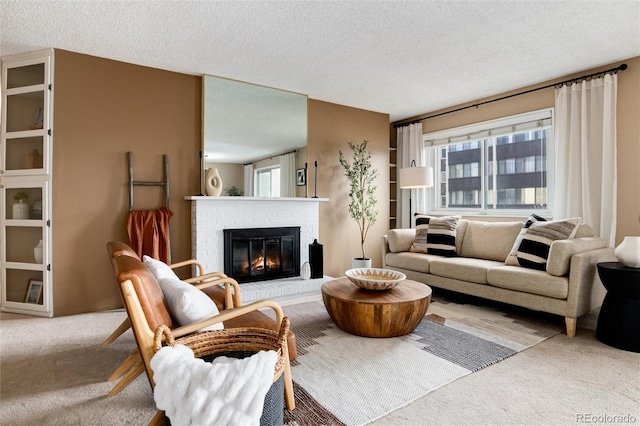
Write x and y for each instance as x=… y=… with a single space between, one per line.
x=268 y=182
x=469 y=157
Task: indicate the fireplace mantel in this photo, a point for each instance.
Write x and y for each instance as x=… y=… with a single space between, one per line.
x=242 y=199
x=211 y=215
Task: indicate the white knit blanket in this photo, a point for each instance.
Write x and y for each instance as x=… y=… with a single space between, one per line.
x=227 y=391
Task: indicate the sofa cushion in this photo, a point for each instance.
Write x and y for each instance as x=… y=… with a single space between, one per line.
x=489 y=240
x=400 y=239
x=561 y=252
x=512 y=257
x=462 y=268
x=441 y=236
x=584 y=230
x=461 y=231
x=536 y=242
x=418 y=262
x=187 y=304
x=528 y=281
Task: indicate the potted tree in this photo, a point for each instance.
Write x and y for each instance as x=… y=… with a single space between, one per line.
x=362 y=200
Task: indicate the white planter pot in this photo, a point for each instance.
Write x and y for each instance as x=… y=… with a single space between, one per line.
x=628 y=252
x=358 y=262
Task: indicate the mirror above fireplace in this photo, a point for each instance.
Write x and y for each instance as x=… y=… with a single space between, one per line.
x=245 y=122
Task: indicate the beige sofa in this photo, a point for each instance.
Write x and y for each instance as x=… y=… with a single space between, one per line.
x=569 y=287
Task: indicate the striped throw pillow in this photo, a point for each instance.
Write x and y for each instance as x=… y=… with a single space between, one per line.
x=536 y=242
x=512 y=258
x=422 y=226
x=441 y=236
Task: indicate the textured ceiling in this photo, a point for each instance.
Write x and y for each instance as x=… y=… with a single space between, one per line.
x=403 y=58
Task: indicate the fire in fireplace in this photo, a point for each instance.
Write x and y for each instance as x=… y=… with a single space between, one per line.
x=257 y=254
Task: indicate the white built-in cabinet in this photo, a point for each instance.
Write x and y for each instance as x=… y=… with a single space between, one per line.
x=25 y=183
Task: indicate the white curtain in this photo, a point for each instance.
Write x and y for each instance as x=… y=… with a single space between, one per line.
x=248 y=180
x=585 y=154
x=410 y=147
x=288 y=175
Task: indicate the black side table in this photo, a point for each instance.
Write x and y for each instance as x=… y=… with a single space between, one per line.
x=619 y=320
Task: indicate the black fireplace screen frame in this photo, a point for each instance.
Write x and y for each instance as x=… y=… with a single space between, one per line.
x=239 y=240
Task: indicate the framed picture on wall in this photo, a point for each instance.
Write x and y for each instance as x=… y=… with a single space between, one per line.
x=34 y=292
x=301 y=177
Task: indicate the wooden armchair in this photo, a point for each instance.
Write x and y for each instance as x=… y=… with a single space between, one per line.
x=227 y=297
x=132 y=366
x=147 y=310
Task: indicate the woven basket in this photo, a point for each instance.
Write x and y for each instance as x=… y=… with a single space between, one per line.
x=231 y=340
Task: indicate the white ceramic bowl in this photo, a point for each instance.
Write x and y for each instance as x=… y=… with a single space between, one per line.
x=375 y=278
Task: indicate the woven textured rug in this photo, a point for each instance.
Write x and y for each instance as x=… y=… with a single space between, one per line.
x=341 y=379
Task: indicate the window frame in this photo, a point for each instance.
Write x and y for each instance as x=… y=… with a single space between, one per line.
x=492 y=129
x=256 y=181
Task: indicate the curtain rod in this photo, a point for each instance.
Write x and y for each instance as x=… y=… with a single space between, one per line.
x=562 y=83
x=269 y=158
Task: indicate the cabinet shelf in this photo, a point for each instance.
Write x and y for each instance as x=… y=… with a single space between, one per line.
x=25 y=266
x=33 y=223
x=38 y=89
x=25 y=133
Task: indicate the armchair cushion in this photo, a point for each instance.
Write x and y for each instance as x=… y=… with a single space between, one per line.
x=158 y=268
x=187 y=304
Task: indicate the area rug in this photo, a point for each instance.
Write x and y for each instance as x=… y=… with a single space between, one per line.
x=341 y=379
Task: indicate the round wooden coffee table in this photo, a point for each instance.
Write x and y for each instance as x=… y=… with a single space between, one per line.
x=376 y=313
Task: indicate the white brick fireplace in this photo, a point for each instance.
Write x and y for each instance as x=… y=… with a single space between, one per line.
x=211 y=215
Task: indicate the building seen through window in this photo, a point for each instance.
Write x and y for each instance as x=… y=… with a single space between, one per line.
x=504 y=172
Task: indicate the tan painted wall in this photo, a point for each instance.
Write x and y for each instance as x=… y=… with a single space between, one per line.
x=628 y=217
x=103 y=109
x=331 y=126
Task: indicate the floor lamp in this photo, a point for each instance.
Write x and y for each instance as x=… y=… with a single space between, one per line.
x=413 y=178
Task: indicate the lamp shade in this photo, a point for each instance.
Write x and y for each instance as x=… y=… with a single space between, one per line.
x=416 y=177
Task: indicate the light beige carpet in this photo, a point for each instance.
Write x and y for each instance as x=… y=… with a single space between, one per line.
x=354 y=380
x=52 y=371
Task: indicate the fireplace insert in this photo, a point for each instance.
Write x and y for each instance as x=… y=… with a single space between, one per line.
x=258 y=254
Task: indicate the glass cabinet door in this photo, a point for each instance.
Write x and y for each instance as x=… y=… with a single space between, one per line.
x=26 y=130
x=25 y=237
